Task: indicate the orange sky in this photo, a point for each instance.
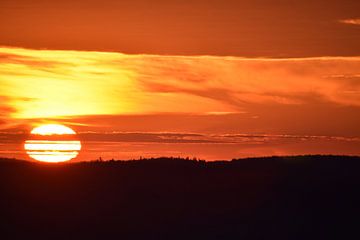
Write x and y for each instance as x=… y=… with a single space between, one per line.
x=228 y=78
x=276 y=28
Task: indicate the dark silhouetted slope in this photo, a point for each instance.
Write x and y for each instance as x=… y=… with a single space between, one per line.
x=305 y=197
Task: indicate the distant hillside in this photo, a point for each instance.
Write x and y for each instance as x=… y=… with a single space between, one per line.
x=301 y=197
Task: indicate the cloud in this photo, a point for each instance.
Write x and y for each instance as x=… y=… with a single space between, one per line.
x=235 y=81
x=130 y=145
x=67 y=83
x=185 y=138
x=352 y=21
x=4 y=112
x=7 y=110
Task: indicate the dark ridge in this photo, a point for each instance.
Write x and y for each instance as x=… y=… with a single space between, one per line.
x=293 y=197
x=194 y=159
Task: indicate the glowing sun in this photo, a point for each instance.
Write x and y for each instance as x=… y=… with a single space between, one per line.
x=52 y=143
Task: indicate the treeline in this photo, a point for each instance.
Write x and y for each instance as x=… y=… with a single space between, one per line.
x=295 y=197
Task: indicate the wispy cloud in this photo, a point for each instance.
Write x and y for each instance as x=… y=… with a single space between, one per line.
x=129 y=145
x=67 y=83
x=182 y=138
x=352 y=21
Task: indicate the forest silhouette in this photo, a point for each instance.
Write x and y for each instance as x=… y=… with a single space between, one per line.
x=299 y=197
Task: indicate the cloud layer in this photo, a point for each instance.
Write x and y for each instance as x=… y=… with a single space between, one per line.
x=120 y=145
x=46 y=83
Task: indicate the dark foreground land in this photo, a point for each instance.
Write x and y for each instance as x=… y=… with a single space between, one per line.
x=306 y=197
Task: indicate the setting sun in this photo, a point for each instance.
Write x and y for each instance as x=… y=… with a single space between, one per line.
x=52 y=143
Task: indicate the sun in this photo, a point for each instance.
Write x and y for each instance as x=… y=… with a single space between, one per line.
x=51 y=129
x=52 y=143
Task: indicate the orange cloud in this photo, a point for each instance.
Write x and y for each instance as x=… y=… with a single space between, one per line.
x=352 y=21
x=69 y=83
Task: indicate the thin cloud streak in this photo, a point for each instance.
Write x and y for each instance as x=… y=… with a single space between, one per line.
x=178 y=137
x=351 y=21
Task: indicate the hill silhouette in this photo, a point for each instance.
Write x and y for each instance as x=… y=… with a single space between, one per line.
x=302 y=197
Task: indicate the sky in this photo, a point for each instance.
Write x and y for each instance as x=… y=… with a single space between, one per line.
x=208 y=79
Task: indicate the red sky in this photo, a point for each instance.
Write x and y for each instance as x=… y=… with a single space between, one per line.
x=151 y=78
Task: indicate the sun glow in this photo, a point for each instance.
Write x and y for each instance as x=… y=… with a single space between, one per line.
x=50 y=143
x=51 y=129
